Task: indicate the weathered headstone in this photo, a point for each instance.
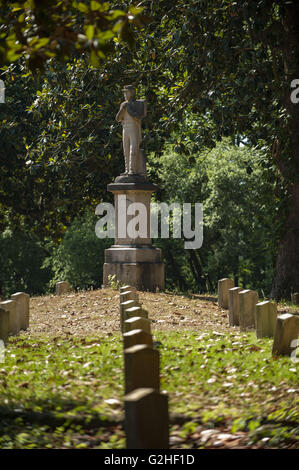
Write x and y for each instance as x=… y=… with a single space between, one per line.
x=233 y=305
x=11 y=307
x=146 y=419
x=295 y=298
x=266 y=317
x=126 y=288
x=4 y=325
x=247 y=308
x=128 y=295
x=223 y=287
x=133 y=337
x=123 y=307
x=287 y=329
x=22 y=300
x=137 y=323
x=62 y=287
x=128 y=304
x=135 y=312
x=142 y=368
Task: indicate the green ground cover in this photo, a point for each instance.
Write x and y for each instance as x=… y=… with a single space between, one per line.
x=68 y=392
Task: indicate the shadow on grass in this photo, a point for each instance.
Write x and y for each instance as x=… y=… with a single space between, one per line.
x=66 y=414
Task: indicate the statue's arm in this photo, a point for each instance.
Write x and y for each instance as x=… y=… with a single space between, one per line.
x=121 y=113
x=136 y=113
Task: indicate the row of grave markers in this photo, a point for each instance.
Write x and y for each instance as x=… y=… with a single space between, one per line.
x=14 y=315
x=146 y=408
x=246 y=312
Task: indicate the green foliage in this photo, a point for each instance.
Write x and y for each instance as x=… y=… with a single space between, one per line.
x=224 y=65
x=238 y=210
x=43 y=30
x=16 y=130
x=22 y=258
x=79 y=257
x=225 y=62
x=113 y=283
x=63 y=151
x=34 y=266
x=59 y=145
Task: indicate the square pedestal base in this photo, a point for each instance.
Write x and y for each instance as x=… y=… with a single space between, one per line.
x=143 y=276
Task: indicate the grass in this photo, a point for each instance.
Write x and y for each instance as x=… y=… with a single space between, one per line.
x=67 y=392
x=233 y=379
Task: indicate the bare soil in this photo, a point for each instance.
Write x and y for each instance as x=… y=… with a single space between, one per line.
x=89 y=313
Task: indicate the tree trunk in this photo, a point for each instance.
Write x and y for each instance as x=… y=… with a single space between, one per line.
x=181 y=281
x=198 y=271
x=287 y=263
x=286 y=278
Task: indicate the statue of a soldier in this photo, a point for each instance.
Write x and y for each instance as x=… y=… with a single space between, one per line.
x=130 y=114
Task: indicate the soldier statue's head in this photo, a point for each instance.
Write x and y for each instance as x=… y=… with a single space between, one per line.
x=129 y=92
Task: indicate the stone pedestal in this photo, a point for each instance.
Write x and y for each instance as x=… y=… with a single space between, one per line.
x=133 y=259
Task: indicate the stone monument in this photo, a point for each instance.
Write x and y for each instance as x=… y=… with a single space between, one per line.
x=133 y=259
